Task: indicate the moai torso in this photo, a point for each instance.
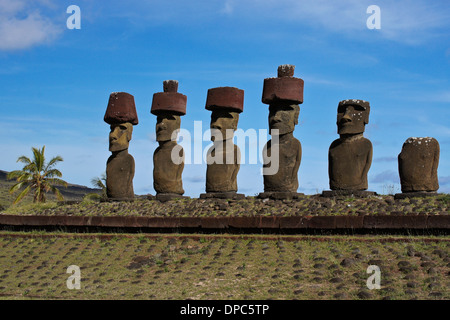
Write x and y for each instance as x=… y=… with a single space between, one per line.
x=349 y=162
x=120 y=173
x=166 y=173
x=418 y=163
x=290 y=153
x=222 y=175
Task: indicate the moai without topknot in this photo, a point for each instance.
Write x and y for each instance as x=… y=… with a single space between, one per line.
x=121 y=116
x=223 y=158
x=283 y=153
x=350 y=156
x=168 y=158
x=417 y=165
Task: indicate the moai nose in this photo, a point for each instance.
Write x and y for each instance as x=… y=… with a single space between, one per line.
x=346 y=118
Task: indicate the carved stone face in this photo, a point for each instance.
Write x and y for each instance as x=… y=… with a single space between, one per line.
x=120 y=136
x=223 y=124
x=166 y=124
x=351 y=119
x=283 y=118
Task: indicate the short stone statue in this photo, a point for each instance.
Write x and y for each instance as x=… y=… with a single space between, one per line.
x=282 y=154
x=417 y=164
x=350 y=156
x=168 y=158
x=121 y=116
x=223 y=158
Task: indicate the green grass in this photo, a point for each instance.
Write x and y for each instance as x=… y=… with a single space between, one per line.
x=213 y=267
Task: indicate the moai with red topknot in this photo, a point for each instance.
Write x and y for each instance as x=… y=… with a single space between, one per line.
x=223 y=158
x=283 y=153
x=168 y=158
x=121 y=116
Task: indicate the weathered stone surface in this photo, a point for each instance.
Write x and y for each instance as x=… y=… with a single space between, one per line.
x=348 y=193
x=282 y=154
x=169 y=100
x=222 y=195
x=417 y=194
x=418 y=163
x=167 y=175
x=168 y=158
x=225 y=98
x=121 y=115
x=163 y=197
x=223 y=158
x=284 y=88
x=350 y=156
x=289 y=157
x=120 y=165
x=221 y=175
x=121 y=108
x=280 y=195
x=352 y=116
x=119 y=175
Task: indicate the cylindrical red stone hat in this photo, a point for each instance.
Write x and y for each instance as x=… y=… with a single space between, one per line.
x=285 y=88
x=121 y=108
x=169 y=100
x=225 y=97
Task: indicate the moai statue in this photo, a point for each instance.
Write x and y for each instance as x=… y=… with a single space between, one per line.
x=168 y=158
x=223 y=158
x=121 y=116
x=283 y=153
x=417 y=165
x=350 y=156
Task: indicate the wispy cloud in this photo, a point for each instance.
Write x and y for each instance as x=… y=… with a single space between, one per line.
x=385 y=159
x=23 y=26
x=228 y=7
x=385 y=177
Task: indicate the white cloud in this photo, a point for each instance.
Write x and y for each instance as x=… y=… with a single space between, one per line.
x=22 y=26
x=228 y=7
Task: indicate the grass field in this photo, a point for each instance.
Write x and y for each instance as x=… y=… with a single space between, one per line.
x=142 y=266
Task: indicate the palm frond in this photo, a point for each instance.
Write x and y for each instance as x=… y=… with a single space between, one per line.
x=15 y=174
x=25 y=177
x=56 y=181
x=22 y=194
x=98 y=183
x=57 y=193
x=53 y=162
x=18 y=186
x=32 y=167
x=39 y=158
x=24 y=159
x=52 y=173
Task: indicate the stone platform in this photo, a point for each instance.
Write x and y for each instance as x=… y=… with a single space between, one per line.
x=280 y=195
x=222 y=195
x=419 y=194
x=349 y=193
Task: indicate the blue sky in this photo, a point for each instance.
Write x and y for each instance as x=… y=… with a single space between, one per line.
x=56 y=82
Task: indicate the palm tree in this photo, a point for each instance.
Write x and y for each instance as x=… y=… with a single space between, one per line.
x=37 y=175
x=99 y=183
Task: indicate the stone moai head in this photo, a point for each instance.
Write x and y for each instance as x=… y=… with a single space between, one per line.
x=418 y=163
x=121 y=116
x=226 y=103
x=283 y=95
x=168 y=106
x=352 y=116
